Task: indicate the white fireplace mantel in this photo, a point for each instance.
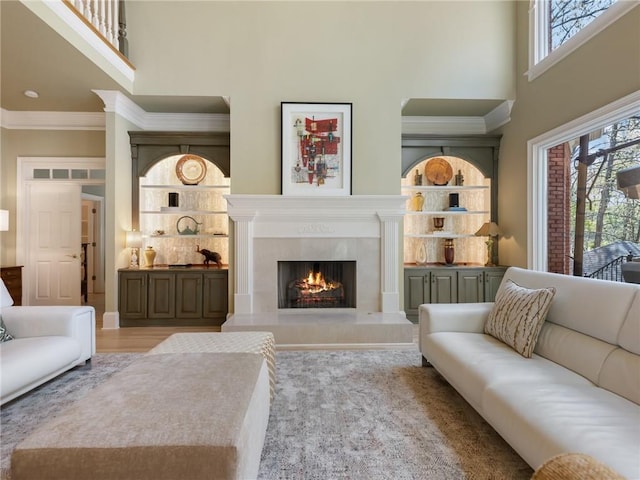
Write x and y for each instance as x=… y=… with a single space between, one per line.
x=296 y=217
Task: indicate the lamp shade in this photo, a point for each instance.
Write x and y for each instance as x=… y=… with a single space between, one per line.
x=489 y=229
x=133 y=239
x=4 y=220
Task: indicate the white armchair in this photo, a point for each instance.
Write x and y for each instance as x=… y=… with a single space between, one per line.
x=48 y=340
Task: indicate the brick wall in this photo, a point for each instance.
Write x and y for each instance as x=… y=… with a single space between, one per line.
x=558 y=181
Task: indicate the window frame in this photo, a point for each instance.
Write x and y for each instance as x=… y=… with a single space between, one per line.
x=540 y=59
x=537 y=167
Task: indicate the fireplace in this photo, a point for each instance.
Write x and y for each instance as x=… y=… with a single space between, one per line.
x=358 y=232
x=316 y=284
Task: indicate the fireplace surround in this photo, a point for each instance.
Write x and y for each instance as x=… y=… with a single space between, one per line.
x=365 y=229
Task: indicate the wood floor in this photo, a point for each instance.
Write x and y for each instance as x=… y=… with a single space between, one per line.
x=132 y=339
x=141 y=339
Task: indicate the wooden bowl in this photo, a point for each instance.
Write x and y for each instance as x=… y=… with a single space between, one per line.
x=438 y=171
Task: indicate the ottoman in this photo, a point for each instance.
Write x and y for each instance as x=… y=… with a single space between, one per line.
x=165 y=417
x=262 y=343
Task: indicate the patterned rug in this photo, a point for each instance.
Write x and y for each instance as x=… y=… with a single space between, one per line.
x=372 y=415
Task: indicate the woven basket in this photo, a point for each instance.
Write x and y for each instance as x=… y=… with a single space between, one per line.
x=574 y=466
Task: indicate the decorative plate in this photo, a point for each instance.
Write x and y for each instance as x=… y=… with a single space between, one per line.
x=438 y=171
x=191 y=169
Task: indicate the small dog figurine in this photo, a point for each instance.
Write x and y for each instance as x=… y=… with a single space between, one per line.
x=210 y=256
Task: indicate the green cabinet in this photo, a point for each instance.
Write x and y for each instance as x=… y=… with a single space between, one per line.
x=168 y=297
x=449 y=285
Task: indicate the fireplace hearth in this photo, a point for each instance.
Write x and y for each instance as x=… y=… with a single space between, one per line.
x=316 y=284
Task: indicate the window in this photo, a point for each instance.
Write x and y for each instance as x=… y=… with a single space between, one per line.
x=593 y=225
x=558 y=27
x=538 y=167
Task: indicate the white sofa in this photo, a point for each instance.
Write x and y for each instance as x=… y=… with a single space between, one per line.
x=47 y=342
x=580 y=390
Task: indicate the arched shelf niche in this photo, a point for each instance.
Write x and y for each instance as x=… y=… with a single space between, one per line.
x=149 y=148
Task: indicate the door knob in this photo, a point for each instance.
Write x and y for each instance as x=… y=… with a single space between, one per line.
x=72 y=256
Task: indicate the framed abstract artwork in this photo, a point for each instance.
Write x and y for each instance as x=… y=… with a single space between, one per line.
x=316 y=149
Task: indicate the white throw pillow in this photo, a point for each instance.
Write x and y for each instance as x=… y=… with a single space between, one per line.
x=517 y=316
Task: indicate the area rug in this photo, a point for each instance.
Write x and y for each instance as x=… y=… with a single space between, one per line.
x=372 y=415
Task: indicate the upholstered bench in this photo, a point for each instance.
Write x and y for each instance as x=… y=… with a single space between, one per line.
x=176 y=415
x=262 y=343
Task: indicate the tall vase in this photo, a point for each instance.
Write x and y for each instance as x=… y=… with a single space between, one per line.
x=421 y=254
x=449 y=251
x=149 y=256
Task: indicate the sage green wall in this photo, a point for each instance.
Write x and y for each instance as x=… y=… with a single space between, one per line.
x=373 y=54
x=603 y=70
x=37 y=143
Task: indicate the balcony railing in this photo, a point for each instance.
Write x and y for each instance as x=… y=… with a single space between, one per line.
x=612 y=270
x=107 y=18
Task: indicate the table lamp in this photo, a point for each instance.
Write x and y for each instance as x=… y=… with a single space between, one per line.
x=491 y=230
x=134 y=242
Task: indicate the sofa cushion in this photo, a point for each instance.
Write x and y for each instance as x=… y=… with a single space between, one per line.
x=581 y=303
x=4 y=335
x=471 y=362
x=518 y=314
x=25 y=361
x=543 y=419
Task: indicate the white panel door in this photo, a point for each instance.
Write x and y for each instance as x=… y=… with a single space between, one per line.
x=53 y=236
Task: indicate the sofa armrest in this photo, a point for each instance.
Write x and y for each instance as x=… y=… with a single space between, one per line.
x=41 y=321
x=452 y=317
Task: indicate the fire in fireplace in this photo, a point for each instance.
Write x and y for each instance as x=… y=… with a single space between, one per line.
x=323 y=284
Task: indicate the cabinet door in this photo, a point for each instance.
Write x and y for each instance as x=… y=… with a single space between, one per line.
x=416 y=292
x=444 y=288
x=132 y=300
x=470 y=286
x=215 y=302
x=492 y=280
x=189 y=295
x=162 y=295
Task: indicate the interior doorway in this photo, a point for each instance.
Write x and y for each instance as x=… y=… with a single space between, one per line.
x=80 y=181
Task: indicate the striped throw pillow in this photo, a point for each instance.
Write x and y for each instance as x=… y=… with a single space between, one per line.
x=517 y=316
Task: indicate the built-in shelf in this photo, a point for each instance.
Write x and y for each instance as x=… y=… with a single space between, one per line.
x=177 y=235
x=444 y=188
x=439 y=235
x=183 y=212
x=445 y=213
x=186 y=187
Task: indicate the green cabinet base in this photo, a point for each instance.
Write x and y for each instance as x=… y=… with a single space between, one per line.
x=462 y=284
x=166 y=297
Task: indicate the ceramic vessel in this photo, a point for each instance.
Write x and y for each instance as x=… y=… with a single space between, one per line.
x=149 y=256
x=449 y=251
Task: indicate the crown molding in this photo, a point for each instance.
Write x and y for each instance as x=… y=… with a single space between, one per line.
x=499 y=116
x=18 y=120
x=459 y=125
x=114 y=102
x=443 y=125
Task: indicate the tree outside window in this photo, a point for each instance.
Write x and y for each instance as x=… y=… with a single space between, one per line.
x=591 y=221
x=566 y=18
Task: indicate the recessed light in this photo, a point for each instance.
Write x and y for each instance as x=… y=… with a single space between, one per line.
x=31 y=94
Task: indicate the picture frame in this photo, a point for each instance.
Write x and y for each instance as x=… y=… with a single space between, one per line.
x=316 y=148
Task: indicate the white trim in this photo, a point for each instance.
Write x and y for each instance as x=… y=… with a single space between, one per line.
x=459 y=125
x=114 y=101
x=537 y=168
x=540 y=60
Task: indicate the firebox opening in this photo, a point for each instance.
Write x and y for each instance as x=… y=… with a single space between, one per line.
x=316 y=284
